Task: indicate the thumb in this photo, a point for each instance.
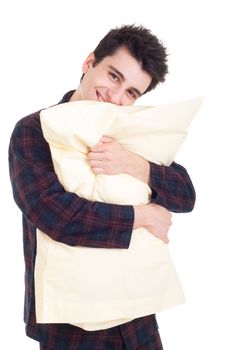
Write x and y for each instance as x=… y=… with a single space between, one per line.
x=106 y=139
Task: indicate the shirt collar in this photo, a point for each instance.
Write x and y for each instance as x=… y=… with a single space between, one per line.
x=66 y=97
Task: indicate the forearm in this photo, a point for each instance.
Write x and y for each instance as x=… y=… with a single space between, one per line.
x=64 y=216
x=172 y=187
x=138 y=167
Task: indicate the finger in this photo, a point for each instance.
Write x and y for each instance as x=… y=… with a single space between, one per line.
x=99 y=147
x=96 y=163
x=98 y=170
x=106 y=139
x=95 y=155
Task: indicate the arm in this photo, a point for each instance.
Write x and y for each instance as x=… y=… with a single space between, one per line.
x=63 y=215
x=171 y=185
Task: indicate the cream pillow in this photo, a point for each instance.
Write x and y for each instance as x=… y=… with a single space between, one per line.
x=98 y=288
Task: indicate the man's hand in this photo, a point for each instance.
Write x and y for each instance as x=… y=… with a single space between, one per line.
x=109 y=157
x=154 y=218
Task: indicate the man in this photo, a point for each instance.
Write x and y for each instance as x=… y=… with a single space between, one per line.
x=128 y=62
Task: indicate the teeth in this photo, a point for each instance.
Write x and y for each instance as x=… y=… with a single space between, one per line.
x=100 y=99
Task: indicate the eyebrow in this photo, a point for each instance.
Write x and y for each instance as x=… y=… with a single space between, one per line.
x=123 y=79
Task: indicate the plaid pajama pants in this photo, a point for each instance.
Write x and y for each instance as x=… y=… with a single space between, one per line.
x=152 y=343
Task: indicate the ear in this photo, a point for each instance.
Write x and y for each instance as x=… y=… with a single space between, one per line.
x=88 y=62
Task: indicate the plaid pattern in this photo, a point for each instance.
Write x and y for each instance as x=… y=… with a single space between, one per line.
x=153 y=343
x=75 y=221
x=112 y=339
x=117 y=343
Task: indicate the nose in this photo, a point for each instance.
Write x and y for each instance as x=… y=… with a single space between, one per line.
x=115 y=96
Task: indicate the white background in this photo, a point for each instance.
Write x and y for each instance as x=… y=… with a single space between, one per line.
x=43 y=44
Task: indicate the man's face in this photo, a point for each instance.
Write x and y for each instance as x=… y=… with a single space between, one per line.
x=117 y=79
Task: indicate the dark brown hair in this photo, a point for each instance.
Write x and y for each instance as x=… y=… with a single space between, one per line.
x=142 y=45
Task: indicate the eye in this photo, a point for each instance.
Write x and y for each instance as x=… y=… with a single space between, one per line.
x=132 y=94
x=114 y=77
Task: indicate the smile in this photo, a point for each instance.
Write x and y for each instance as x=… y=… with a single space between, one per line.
x=100 y=97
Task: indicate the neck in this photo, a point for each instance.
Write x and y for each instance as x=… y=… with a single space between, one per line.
x=76 y=96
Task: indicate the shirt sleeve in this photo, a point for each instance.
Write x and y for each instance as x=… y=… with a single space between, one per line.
x=172 y=187
x=63 y=215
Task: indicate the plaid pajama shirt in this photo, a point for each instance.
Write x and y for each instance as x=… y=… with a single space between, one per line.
x=72 y=220
x=113 y=341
